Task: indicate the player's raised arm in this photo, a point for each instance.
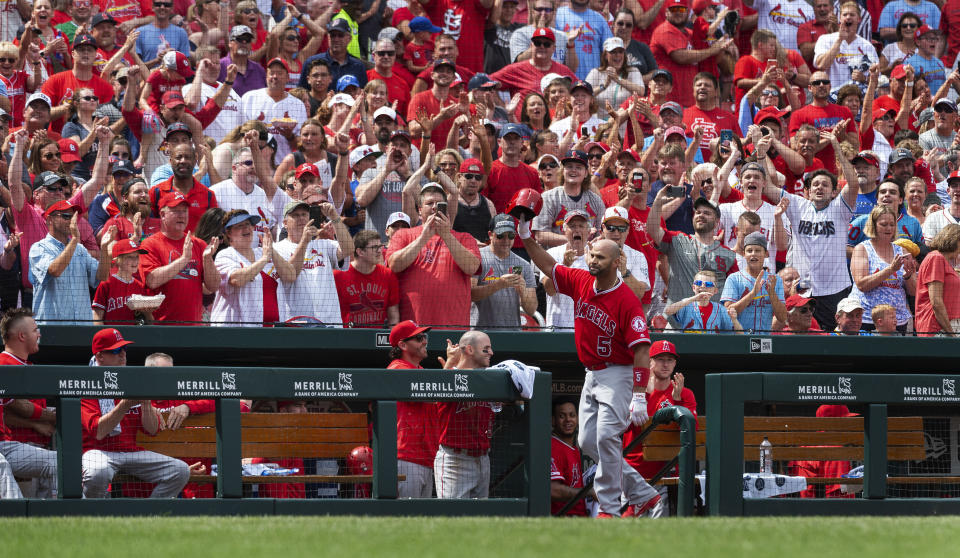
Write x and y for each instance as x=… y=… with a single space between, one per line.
x=538 y=255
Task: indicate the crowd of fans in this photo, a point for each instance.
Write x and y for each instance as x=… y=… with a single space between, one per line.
x=357 y=163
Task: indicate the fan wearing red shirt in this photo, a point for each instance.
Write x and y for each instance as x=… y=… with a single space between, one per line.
x=673 y=52
x=566 y=464
x=418 y=434
x=61 y=86
x=369 y=292
x=130 y=14
x=434 y=265
x=824 y=115
x=110 y=300
x=198 y=197
x=21 y=338
x=437 y=102
x=612 y=341
x=178 y=265
x=464 y=20
x=110 y=429
x=398 y=89
x=664 y=390
x=461 y=468
x=637 y=211
x=706 y=114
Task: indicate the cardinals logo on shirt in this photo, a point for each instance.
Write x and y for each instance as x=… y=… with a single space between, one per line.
x=452 y=23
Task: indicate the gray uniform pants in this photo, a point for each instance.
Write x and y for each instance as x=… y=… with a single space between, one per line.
x=604 y=416
x=99 y=468
x=26 y=461
x=419 y=481
x=459 y=475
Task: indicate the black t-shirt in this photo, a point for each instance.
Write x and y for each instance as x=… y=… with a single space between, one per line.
x=496 y=46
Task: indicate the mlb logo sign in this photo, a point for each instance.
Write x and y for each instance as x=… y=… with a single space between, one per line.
x=383 y=340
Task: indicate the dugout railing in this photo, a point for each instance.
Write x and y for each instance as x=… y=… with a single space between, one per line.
x=65 y=386
x=728 y=393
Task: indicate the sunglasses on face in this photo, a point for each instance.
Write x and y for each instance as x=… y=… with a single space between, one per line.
x=118 y=350
x=65 y=216
x=247 y=11
x=89 y=98
x=543 y=10
x=943 y=110
x=909 y=25
x=707 y=284
x=472 y=176
x=385 y=52
x=803 y=310
x=51 y=156
x=678 y=9
x=247 y=163
x=10 y=60
x=419 y=338
x=548 y=166
x=291 y=38
x=623 y=24
x=617 y=228
x=244 y=39
x=163 y=4
x=509 y=235
x=820 y=82
x=542 y=44
x=595 y=156
x=771 y=93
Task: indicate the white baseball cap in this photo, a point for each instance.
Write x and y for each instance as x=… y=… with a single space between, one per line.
x=342 y=98
x=398 y=216
x=849 y=304
x=38 y=96
x=385 y=111
x=362 y=152
x=546 y=80
x=612 y=44
x=616 y=212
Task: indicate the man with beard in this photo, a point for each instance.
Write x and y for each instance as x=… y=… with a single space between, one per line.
x=107 y=204
x=633 y=264
x=818 y=224
x=671 y=160
x=281 y=112
x=437 y=104
x=417 y=422
x=576 y=229
x=133 y=218
x=867 y=166
x=176 y=263
x=61 y=86
x=566 y=463
x=505 y=285
x=199 y=198
x=475 y=210
x=249 y=75
x=688 y=253
x=380 y=189
x=612 y=344
x=461 y=468
x=824 y=116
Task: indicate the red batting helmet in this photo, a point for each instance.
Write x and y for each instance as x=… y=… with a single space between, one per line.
x=525 y=203
x=360 y=461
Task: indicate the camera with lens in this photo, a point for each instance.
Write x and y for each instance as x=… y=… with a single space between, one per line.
x=864 y=65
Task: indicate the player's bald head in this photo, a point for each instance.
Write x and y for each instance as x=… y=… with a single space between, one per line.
x=607 y=247
x=474 y=338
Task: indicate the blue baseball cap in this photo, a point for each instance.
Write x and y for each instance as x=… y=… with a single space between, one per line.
x=346 y=81
x=511 y=128
x=421 y=23
x=241 y=217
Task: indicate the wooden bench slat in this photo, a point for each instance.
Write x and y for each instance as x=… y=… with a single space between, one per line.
x=672 y=438
x=285 y=420
x=357 y=436
x=812 y=424
x=751 y=453
x=269 y=450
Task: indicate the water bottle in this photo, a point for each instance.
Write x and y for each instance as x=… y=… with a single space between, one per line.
x=766 y=456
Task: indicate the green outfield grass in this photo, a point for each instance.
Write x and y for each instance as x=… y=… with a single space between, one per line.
x=354 y=537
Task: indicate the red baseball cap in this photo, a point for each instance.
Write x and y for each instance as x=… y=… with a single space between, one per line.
x=899 y=72
x=603 y=147
x=126 y=246
x=544 y=33
x=62 y=205
x=107 y=340
x=307 y=168
x=472 y=165
x=280 y=61
x=881 y=112
x=172 y=99
x=676 y=4
x=769 y=113
x=835 y=411
x=662 y=347
x=69 y=150
x=954 y=175
x=923 y=30
x=405 y=330
x=631 y=152
x=795 y=301
x=172 y=199
x=868 y=156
